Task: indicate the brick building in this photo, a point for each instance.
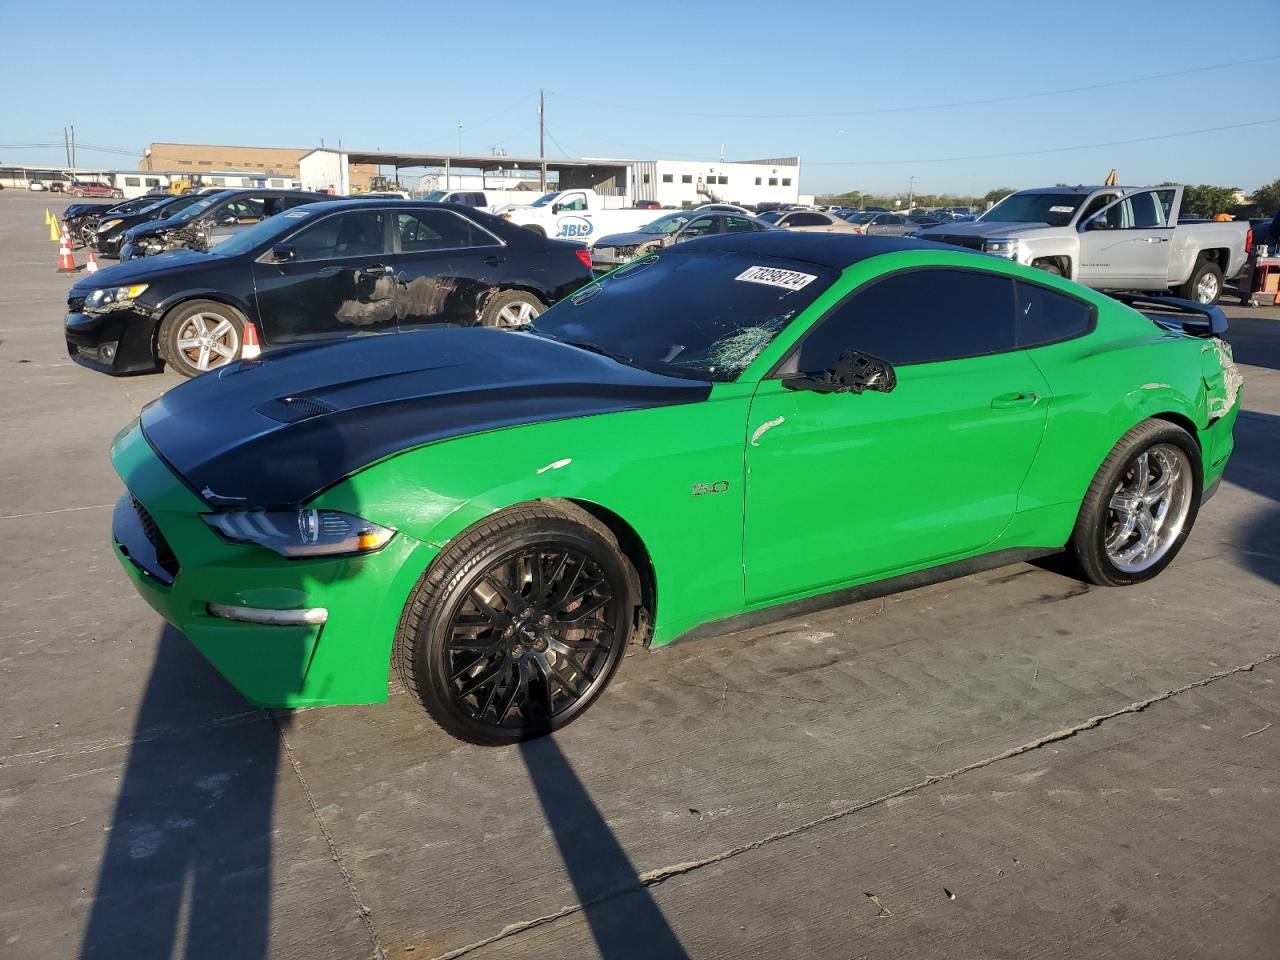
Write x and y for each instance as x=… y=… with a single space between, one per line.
x=202 y=158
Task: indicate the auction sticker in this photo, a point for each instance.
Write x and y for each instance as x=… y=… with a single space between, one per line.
x=787 y=279
x=1062 y=209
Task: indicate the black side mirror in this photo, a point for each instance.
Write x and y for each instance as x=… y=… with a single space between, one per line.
x=556 y=208
x=853 y=373
x=1097 y=223
x=283 y=252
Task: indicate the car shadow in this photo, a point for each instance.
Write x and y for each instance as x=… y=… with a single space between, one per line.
x=624 y=919
x=188 y=863
x=1254 y=341
x=1253 y=466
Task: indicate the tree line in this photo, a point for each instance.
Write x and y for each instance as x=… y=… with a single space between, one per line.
x=1198 y=200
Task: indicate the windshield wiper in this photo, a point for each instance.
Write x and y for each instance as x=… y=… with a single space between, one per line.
x=583 y=345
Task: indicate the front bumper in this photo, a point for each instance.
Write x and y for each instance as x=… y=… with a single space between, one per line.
x=115 y=341
x=341 y=660
x=108 y=245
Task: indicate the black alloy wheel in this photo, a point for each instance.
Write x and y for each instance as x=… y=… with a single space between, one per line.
x=518 y=626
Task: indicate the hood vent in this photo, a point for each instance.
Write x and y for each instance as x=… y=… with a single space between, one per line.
x=294 y=409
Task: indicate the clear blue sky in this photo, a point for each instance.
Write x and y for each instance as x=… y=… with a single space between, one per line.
x=626 y=81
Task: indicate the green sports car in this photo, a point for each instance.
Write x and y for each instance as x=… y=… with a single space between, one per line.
x=739 y=428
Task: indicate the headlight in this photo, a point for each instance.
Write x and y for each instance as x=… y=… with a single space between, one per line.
x=108 y=224
x=1002 y=248
x=301 y=533
x=114 y=296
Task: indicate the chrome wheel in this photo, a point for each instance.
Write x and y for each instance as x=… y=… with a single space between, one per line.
x=1148 y=508
x=518 y=313
x=207 y=340
x=1208 y=288
x=533 y=637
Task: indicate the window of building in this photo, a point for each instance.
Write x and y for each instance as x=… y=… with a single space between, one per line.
x=153 y=181
x=786 y=181
x=917 y=316
x=686 y=178
x=133 y=181
x=218 y=181
x=722 y=179
x=205 y=163
x=773 y=181
x=645 y=178
x=757 y=181
x=667 y=178
x=184 y=163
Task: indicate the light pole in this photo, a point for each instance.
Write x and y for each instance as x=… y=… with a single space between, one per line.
x=459 y=138
x=911 y=192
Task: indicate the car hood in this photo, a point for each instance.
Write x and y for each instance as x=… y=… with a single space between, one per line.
x=278 y=431
x=631 y=239
x=152 y=227
x=976 y=229
x=140 y=271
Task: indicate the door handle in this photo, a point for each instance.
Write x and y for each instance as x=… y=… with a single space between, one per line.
x=377 y=270
x=1014 y=401
x=1155 y=239
x=493 y=260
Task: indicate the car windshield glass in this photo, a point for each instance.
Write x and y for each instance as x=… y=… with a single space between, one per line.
x=262 y=232
x=693 y=311
x=1055 y=209
x=434 y=196
x=546 y=198
x=669 y=223
x=197 y=208
x=133 y=206
x=770 y=216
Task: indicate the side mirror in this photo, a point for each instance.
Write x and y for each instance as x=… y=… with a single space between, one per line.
x=1097 y=223
x=853 y=373
x=283 y=252
x=557 y=207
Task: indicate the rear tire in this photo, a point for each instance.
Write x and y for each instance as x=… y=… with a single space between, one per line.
x=1049 y=267
x=200 y=336
x=1204 y=285
x=1140 y=507
x=518 y=625
x=511 y=309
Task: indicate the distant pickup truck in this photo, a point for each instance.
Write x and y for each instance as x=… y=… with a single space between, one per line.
x=1108 y=238
x=581 y=215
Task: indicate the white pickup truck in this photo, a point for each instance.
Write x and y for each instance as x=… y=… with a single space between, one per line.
x=580 y=215
x=1108 y=238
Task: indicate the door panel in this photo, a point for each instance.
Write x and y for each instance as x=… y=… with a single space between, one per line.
x=339 y=285
x=1132 y=250
x=843 y=487
x=444 y=267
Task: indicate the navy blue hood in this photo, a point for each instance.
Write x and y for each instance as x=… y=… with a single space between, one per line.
x=278 y=431
x=138 y=271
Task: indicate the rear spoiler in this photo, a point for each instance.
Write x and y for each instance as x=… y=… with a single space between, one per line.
x=1173 y=313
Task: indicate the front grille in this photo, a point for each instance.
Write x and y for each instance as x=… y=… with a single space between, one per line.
x=75 y=304
x=971 y=243
x=164 y=553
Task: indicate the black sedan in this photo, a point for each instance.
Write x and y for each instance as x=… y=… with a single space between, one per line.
x=107 y=235
x=82 y=219
x=210 y=220
x=321 y=271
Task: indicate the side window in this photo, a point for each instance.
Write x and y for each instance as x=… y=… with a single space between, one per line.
x=738 y=225
x=248 y=210
x=426 y=230
x=1045 y=316
x=1096 y=204
x=575 y=202
x=1151 y=209
x=699 y=227
x=354 y=234
x=480 y=200
x=807 y=220
x=918 y=316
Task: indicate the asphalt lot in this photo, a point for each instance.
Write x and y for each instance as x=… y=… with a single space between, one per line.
x=1009 y=765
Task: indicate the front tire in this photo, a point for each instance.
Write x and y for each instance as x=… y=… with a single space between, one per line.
x=518 y=625
x=200 y=336
x=1205 y=284
x=1141 y=506
x=511 y=309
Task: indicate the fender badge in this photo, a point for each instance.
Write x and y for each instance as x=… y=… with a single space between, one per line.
x=702 y=489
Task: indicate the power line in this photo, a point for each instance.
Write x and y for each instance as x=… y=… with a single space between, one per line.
x=932 y=106
x=563 y=152
x=1032 y=153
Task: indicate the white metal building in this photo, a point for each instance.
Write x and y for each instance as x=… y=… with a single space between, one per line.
x=675 y=183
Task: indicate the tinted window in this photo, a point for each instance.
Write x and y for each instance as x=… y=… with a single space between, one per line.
x=808 y=220
x=700 y=227
x=425 y=230
x=690 y=311
x=248 y=210
x=917 y=316
x=1045 y=316
x=739 y=225
x=354 y=234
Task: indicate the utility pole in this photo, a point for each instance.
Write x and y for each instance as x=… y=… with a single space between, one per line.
x=911 y=192
x=542 y=150
x=66 y=142
x=73 y=149
x=459 y=138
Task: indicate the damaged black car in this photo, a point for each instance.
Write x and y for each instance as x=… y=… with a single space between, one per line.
x=322 y=271
x=210 y=220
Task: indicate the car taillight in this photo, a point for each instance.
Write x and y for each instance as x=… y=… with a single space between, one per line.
x=584 y=255
x=1248 y=241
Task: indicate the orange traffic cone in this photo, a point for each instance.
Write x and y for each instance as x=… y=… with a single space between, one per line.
x=66 y=262
x=250 y=348
x=91 y=265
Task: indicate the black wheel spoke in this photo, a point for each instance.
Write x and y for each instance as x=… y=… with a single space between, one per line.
x=510 y=658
